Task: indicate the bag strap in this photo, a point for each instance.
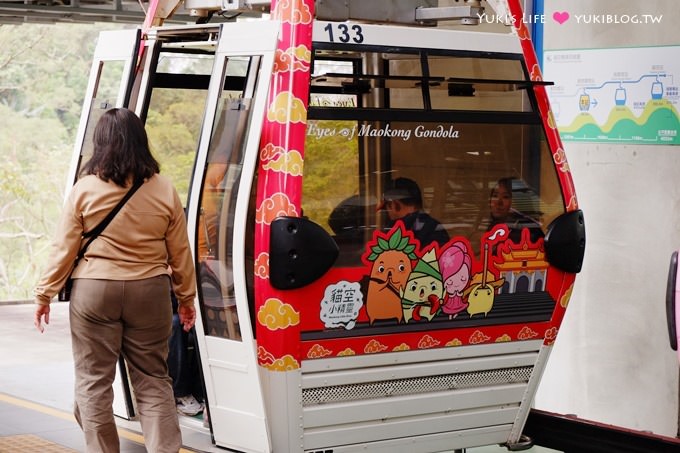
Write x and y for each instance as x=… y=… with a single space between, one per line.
x=96 y=231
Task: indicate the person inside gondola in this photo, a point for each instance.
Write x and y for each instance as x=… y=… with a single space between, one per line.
x=502 y=212
x=183 y=366
x=403 y=201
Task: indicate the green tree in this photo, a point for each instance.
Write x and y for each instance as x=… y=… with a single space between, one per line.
x=43 y=76
x=326 y=182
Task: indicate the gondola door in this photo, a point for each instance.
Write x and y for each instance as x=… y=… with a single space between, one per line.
x=218 y=216
x=109 y=86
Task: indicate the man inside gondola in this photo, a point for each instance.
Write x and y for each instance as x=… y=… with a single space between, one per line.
x=402 y=200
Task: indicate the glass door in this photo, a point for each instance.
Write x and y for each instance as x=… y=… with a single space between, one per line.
x=109 y=86
x=218 y=210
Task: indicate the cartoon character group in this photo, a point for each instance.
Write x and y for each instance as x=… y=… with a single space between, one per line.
x=409 y=288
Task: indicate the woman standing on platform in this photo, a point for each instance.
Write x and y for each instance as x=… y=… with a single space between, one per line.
x=120 y=301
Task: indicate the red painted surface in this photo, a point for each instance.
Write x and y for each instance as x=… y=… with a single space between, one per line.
x=284 y=317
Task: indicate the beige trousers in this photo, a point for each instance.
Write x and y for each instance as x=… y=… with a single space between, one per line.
x=133 y=318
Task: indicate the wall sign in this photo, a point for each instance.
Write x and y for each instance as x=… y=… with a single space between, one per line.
x=624 y=95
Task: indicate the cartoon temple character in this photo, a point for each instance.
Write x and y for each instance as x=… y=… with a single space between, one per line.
x=391 y=257
x=424 y=289
x=455 y=264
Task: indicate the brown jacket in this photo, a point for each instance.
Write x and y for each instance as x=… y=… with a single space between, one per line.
x=146 y=236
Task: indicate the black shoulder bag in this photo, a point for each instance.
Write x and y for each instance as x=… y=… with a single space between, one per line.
x=65 y=293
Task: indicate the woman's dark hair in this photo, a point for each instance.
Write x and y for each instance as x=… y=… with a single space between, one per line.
x=503 y=182
x=121 y=149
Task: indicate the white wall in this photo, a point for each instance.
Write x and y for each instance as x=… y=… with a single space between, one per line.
x=612 y=361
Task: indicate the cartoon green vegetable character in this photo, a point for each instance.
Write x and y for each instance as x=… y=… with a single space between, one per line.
x=422 y=296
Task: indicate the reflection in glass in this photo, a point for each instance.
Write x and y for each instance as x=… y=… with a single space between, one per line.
x=215 y=235
x=412 y=121
x=106 y=94
x=456 y=176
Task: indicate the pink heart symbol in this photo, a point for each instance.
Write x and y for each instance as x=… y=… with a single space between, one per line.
x=561 y=17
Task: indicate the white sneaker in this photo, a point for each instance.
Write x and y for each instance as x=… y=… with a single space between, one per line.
x=188 y=405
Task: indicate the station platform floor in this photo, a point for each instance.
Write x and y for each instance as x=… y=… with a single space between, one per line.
x=36 y=386
x=36 y=389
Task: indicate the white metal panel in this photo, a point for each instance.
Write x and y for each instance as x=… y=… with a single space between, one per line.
x=399 y=36
x=418 y=369
x=232 y=379
x=118 y=45
x=417 y=404
x=443 y=442
x=528 y=399
x=282 y=397
x=252 y=35
x=453 y=424
x=344 y=415
x=122 y=44
x=115 y=44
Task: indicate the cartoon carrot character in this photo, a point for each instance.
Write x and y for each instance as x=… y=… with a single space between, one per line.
x=391 y=257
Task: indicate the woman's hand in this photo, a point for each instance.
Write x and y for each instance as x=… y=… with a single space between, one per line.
x=43 y=311
x=187 y=316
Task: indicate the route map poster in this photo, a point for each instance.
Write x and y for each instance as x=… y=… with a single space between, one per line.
x=619 y=95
